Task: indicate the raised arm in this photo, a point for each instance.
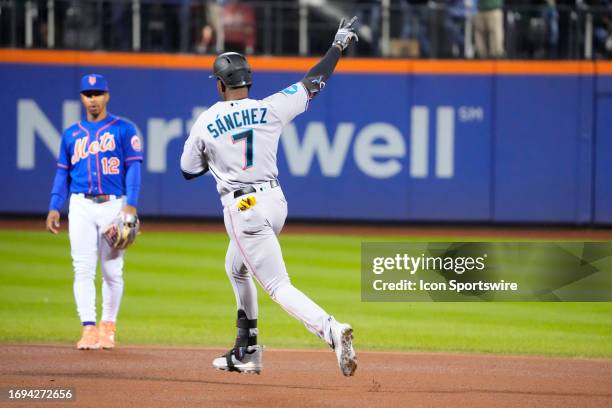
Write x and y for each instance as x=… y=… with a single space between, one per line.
x=315 y=79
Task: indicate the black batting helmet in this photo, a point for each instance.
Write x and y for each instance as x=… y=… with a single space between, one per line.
x=232 y=69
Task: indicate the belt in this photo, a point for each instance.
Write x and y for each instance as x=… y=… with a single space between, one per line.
x=256 y=187
x=101 y=198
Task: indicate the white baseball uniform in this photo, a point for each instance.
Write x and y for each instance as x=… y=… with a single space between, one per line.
x=238 y=141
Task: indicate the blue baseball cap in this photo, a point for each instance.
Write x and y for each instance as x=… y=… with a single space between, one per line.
x=93 y=82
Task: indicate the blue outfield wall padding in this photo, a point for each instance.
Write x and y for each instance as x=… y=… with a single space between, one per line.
x=603 y=163
x=603 y=84
x=406 y=147
x=536 y=149
x=586 y=141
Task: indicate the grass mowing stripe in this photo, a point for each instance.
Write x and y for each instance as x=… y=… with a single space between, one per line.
x=177 y=292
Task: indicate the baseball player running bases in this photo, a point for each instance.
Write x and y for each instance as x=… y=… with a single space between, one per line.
x=237 y=141
x=98 y=170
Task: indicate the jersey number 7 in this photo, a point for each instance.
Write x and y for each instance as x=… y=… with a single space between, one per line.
x=247 y=136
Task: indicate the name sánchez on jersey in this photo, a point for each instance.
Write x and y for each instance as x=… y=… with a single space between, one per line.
x=82 y=150
x=244 y=117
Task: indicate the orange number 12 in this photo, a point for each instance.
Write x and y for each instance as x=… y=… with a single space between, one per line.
x=110 y=165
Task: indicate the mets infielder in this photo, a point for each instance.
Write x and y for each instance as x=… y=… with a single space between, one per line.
x=98 y=169
x=237 y=140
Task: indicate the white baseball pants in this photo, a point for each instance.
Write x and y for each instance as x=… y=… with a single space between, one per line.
x=254 y=251
x=87 y=221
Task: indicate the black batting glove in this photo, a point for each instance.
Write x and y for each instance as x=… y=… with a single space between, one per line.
x=346 y=33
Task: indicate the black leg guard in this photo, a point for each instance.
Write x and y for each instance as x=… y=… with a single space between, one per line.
x=247 y=330
x=246 y=336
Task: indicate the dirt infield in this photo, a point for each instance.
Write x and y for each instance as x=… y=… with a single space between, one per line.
x=183 y=377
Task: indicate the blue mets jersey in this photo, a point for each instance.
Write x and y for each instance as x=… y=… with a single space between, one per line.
x=97 y=155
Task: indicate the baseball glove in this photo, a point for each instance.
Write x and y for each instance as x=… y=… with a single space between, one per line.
x=121 y=233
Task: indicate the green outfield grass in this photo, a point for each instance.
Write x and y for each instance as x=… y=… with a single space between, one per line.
x=177 y=293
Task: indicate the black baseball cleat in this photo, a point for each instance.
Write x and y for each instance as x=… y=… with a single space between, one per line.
x=241 y=360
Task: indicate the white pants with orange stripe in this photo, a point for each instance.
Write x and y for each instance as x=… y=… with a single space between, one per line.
x=254 y=252
x=87 y=221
